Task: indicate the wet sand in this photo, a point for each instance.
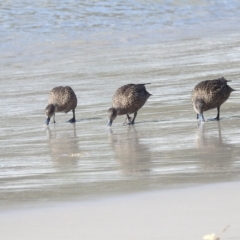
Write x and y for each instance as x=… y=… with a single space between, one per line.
x=183 y=213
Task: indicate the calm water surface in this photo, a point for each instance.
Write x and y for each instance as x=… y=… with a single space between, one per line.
x=95 y=47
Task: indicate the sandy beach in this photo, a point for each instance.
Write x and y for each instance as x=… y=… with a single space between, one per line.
x=184 y=213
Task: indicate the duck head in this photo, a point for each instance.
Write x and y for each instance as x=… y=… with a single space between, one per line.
x=49 y=111
x=112 y=114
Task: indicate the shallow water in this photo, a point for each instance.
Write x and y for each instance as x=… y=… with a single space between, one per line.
x=166 y=147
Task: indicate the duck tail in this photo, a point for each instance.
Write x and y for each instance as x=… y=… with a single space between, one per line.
x=225 y=80
x=144 y=84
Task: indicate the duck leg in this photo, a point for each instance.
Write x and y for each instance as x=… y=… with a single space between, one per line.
x=128 y=118
x=54 y=118
x=218 y=113
x=197 y=116
x=134 y=116
x=72 y=120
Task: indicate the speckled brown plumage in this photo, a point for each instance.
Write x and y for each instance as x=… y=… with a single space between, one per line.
x=61 y=99
x=129 y=99
x=210 y=94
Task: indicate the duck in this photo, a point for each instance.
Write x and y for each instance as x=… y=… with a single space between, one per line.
x=210 y=94
x=61 y=99
x=128 y=99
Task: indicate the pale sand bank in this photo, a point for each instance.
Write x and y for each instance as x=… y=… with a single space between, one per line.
x=182 y=214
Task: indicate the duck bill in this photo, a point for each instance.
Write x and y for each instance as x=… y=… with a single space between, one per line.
x=109 y=123
x=201 y=118
x=47 y=121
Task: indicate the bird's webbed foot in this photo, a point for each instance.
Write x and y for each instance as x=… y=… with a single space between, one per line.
x=128 y=120
x=72 y=120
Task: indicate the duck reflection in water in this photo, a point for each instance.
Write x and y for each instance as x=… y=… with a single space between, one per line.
x=133 y=156
x=213 y=152
x=63 y=146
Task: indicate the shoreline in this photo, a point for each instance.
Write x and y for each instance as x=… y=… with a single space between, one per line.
x=38 y=199
x=182 y=213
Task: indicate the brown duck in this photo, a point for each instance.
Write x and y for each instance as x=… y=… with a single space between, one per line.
x=210 y=94
x=61 y=99
x=128 y=99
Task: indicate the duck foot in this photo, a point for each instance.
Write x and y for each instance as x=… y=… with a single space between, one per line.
x=131 y=123
x=73 y=120
x=128 y=120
